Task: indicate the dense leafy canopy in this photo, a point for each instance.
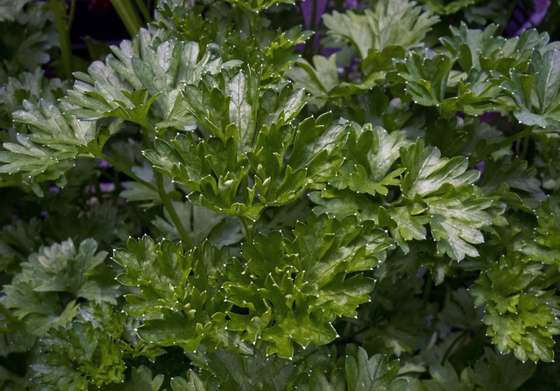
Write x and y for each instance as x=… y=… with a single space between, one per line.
x=228 y=201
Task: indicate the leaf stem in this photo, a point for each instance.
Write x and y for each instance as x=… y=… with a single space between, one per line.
x=168 y=206
x=524 y=133
x=246 y=227
x=128 y=15
x=143 y=10
x=455 y=342
x=62 y=22
x=120 y=166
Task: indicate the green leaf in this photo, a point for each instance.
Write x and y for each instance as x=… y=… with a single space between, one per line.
x=484 y=50
x=87 y=351
x=371 y=154
x=239 y=172
x=293 y=289
x=429 y=81
x=13 y=337
x=544 y=245
x=318 y=78
x=456 y=221
x=193 y=384
x=39 y=293
x=448 y=7
x=317 y=370
x=496 y=372
x=27 y=86
x=535 y=95
x=141 y=379
x=428 y=172
x=259 y=5
x=55 y=140
x=222 y=369
x=436 y=191
x=520 y=308
x=344 y=203
x=141 y=82
x=376 y=29
x=28 y=35
x=425 y=78
x=176 y=292
x=9 y=9
x=200 y=223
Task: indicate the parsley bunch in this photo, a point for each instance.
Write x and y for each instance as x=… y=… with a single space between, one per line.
x=230 y=200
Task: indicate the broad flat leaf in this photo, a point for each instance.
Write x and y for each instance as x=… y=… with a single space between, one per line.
x=318 y=78
x=88 y=351
x=448 y=7
x=177 y=292
x=520 y=308
x=222 y=370
x=55 y=140
x=455 y=222
x=344 y=203
x=377 y=372
x=484 y=50
x=427 y=172
x=292 y=290
x=13 y=337
x=544 y=246
x=141 y=82
x=9 y=9
x=318 y=370
x=39 y=293
x=410 y=221
x=236 y=104
x=65 y=268
x=27 y=35
x=497 y=372
x=321 y=79
x=371 y=152
x=376 y=30
x=535 y=94
x=271 y=162
x=437 y=192
x=258 y=5
x=27 y=86
x=429 y=81
x=425 y=79
x=142 y=380
x=193 y=384
x=201 y=224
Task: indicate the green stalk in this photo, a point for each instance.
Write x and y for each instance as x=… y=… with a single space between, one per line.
x=247 y=228
x=126 y=170
x=130 y=18
x=168 y=205
x=62 y=24
x=143 y=10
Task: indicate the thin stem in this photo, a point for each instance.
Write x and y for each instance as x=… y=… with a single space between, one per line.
x=525 y=147
x=452 y=346
x=246 y=228
x=72 y=12
x=428 y=286
x=128 y=15
x=350 y=338
x=62 y=25
x=143 y=10
x=519 y=135
x=120 y=166
x=310 y=44
x=168 y=205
